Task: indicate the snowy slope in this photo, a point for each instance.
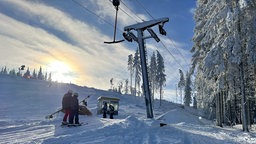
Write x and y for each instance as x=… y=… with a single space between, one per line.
x=25 y=103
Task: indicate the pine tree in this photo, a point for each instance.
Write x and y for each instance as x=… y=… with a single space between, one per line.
x=19 y=73
x=12 y=72
x=40 y=75
x=160 y=77
x=152 y=75
x=130 y=68
x=27 y=74
x=137 y=70
x=120 y=87
x=111 y=84
x=49 y=77
x=34 y=75
x=126 y=86
x=181 y=84
x=5 y=71
x=187 y=96
x=45 y=76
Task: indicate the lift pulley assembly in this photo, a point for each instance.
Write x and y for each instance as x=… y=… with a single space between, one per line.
x=116 y=3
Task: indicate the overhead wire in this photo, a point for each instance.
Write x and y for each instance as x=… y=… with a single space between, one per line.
x=165 y=57
x=173 y=43
x=145 y=9
x=161 y=41
x=131 y=11
x=90 y=11
x=136 y=21
x=109 y=23
x=167 y=37
x=171 y=54
x=128 y=14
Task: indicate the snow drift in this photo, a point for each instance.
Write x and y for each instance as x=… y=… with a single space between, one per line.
x=25 y=103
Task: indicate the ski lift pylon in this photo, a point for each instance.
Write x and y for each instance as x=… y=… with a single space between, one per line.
x=116 y=3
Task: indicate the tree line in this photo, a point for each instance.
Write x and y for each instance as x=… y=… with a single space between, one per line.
x=28 y=75
x=156 y=74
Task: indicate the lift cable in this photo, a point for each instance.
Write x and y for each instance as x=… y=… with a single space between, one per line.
x=131 y=11
x=96 y=15
x=126 y=12
x=145 y=9
x=167 y=35
x=120 y=29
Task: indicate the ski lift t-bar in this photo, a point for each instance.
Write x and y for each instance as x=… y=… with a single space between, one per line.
x=116 y=3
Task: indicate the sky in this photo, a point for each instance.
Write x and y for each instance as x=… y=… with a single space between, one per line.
x=67 y=38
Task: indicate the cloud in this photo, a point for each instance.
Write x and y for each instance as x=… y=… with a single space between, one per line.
x=91 y=57
x=126 y=13
x=35 y=34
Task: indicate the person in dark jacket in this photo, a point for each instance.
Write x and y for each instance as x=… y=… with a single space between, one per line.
x=104 y=110
x=66 y=106
x=111 y=111
x=74 y=110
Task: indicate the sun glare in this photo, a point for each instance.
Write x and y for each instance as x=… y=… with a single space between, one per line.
x=60 y=71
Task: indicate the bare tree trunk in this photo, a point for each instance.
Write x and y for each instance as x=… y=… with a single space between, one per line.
x=243 y=100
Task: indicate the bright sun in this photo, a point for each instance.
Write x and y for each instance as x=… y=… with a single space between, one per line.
x=60 y=71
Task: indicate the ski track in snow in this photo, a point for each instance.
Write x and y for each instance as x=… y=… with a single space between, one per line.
x=33 y=132
x=125 y=129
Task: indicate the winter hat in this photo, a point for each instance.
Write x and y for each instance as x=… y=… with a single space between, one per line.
x=75 y=95
x=70 y=91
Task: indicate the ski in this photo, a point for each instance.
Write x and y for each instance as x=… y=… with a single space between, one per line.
x=73 y=125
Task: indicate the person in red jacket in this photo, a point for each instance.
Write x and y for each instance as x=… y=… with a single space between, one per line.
x=66 y=105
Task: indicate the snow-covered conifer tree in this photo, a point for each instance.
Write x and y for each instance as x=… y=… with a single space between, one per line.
x=181 y=85
x=45 y=76
x=4 y=71
x=49 y=77
x=152 y=74
x=224 y=45
x=12 y=72
x=126 y=86
x=161 y=76
x=40 y=75
x=187 y=90
x=34 y=75
x=137 y=71
x=27 y=74
x=130 y=68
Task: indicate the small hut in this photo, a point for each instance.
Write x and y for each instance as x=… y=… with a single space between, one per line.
x=110 y=101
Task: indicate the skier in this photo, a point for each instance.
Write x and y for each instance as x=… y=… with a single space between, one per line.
x=104 y=110
x=66 y=106
x=74 y=110
x=111 y=111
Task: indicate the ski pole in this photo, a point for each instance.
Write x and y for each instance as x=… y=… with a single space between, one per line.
x=51 y=115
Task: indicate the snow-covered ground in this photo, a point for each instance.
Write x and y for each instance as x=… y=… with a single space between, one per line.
x=25 y=103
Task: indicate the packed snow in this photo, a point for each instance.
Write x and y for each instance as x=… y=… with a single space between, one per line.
x=26 y=102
